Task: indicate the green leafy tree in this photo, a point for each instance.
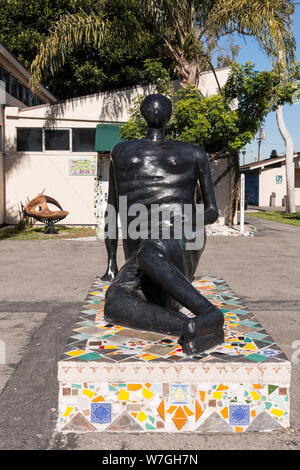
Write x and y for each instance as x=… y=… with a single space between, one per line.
x=189 y=30
x=225 y=122
x=25 y=25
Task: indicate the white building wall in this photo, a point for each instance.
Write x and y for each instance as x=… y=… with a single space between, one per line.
x=29 y=173
x=208 y=84
x=267 y=185
x=1 y=190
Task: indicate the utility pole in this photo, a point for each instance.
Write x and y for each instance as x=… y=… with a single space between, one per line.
x=244 y=153
x=260 y=138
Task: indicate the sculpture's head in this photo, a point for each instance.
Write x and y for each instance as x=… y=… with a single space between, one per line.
x=156 y=110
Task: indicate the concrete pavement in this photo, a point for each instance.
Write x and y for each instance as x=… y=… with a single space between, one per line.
x=42 y=286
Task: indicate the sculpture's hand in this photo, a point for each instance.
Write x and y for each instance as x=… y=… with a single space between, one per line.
x=111 y=272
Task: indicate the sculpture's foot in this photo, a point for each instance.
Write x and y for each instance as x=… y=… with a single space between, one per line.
x=194 y=346
x=207 y=323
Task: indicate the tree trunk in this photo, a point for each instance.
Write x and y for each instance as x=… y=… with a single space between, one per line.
x=235 y=190
x=289 y=161
x=188 y=73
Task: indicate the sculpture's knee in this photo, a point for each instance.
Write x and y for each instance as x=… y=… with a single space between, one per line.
x=219 y=318
x=112 y=306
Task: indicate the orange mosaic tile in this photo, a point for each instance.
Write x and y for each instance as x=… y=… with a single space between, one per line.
x=161 y=410
x=133 y=387
x=224 y=412
x=188 y=411
x=98 y=398
x=198 y=410
x=202 y=395
x=222 y=387
x=238 y=429
x=179 y=418
x=171 y=409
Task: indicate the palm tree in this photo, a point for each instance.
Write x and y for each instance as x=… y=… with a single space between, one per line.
x=189 y=30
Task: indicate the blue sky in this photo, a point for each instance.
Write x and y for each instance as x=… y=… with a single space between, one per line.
x=251 y=52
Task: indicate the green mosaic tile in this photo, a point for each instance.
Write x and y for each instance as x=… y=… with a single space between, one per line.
x=256 y=357
x=272 y=388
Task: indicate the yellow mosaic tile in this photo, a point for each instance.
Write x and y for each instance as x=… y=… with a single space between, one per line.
x=123 y=395
x=88 y=393
x=147 y=393
x=78 y=352
x=141 y=416
x=68 y=411
x=277 y=412
x=255 y=396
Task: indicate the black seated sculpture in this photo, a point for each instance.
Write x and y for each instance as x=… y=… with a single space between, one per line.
x=155 y=281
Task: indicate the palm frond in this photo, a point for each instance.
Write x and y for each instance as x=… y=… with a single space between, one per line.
x=70 y=32
x=269 y=21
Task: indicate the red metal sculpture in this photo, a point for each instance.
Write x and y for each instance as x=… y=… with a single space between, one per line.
x=38 y=209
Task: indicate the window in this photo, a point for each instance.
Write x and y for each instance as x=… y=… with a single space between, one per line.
x=32 y=100
x=29 y=139
x=13 y=87
x=26 y=96
x=83 y=140
x=57 y=139
x=20 y=92
x=5 y=78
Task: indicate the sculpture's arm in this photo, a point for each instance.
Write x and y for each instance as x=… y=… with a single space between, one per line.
x=111 y=228
x=211 y=212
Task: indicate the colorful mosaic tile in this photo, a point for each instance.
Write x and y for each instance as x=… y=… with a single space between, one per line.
x=119 y=379
x=101 y=413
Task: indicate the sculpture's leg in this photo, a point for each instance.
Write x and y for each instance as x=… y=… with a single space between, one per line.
x=125 y=306
x=50 y=228
x=161 y=260
x=198 y=344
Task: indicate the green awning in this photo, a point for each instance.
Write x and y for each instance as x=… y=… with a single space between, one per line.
x=107 y=135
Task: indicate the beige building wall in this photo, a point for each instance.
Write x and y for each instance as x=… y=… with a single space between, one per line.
x=2 y=203
x=29 y=173
x=1 y=189
x=208 y=84
x=267 y=185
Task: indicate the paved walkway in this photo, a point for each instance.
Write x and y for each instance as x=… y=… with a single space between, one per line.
x=42 y=286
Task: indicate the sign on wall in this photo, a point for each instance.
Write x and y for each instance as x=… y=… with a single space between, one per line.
x=82 y=167
x=278 y=179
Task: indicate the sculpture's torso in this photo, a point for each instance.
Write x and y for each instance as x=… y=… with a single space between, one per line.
x=150 y=172
x=155 y=172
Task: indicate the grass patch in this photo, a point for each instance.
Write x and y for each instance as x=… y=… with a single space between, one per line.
x=277 y=216
x=36 y=233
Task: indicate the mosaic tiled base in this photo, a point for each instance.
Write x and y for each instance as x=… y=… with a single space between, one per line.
x=118 y=379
